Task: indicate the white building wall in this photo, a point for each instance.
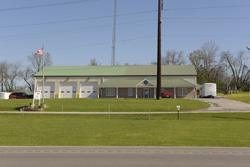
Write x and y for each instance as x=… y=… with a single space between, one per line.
x=99 y=80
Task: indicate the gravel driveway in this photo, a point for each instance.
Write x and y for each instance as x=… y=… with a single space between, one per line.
x=222 y=104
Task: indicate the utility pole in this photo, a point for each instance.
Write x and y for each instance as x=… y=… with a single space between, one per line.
x=158 y=96
x=114 y=36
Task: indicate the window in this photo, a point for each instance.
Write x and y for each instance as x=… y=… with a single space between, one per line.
x=110 y=92
x=182 y=91
x=130 y=91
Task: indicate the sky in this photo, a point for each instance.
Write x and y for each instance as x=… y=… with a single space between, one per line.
x=75 y=31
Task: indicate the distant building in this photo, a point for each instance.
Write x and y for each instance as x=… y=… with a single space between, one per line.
x=116 y=81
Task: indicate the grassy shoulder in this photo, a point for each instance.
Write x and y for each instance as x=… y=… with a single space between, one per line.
x=241 y=96
x=216 y=130
x=105 y=105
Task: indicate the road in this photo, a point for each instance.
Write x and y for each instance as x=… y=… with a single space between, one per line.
x=222 y=104
x=123 y=157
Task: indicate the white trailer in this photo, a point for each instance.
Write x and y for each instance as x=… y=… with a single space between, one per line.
x=208 y=90
x=4 y=95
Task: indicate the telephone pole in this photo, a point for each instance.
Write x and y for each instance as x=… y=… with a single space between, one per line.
x=158 y=95
x=114 y=36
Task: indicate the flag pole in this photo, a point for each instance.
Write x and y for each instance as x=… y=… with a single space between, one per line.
x=43 y=75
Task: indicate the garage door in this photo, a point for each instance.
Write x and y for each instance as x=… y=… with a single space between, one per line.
x=89 y=90
x=67 y=90
x=49 y=89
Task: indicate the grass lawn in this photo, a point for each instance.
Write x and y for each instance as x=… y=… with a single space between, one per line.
x=221 y=129
x=103 y=105
x=241 y=96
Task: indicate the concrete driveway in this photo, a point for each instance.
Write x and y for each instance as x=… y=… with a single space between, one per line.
x=222 y=104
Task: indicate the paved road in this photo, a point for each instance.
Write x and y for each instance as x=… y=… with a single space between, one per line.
x=222 y=104
x=123 y=157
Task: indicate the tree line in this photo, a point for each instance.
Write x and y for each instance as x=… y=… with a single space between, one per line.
x=12 y=73
x=228 y=70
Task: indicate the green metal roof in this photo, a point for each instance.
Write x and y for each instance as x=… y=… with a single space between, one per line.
x=172 y=82
x=76 y=71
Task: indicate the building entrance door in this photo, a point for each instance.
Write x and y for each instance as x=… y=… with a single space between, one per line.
x=146 y=93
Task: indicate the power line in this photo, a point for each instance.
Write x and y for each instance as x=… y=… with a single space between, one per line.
x=206 y=18
x=74 y=20
x=54 y=22
x=80 y=46
x=73 y=31
x=83 y=1
x=207 y=35
x=45 y=5
x=211 y=7
x=103 y=43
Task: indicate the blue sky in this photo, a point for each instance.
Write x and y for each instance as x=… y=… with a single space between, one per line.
x=86 y=29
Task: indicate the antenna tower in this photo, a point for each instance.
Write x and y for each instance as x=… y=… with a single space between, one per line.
x=113 y=41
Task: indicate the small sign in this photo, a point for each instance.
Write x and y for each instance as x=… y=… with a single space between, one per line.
x=37 y=94
x=145 y=82
x=178 y=107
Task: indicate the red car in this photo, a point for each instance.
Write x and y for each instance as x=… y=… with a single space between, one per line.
x=20 y=95
x=165 y=94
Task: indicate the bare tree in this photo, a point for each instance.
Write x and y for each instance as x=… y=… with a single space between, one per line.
x=205 y=62
x=10 y=72
x=37 y=61
x=209 y=52
x=36 y=66
x=3 y=73
x=126 y=64
x=173 y=57
x=196 y=59
x=93 y=62
x=239 y=69
x=27 y=76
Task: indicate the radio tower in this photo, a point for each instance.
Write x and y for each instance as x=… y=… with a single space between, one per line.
x=113 y=41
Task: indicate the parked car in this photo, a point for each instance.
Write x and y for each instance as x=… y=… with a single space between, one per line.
x=20 y=95
x=166 y=94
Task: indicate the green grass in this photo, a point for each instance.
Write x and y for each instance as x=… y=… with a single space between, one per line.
x=217 y=130
x=220 y=94
x=103 y=105
x=242 y=96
